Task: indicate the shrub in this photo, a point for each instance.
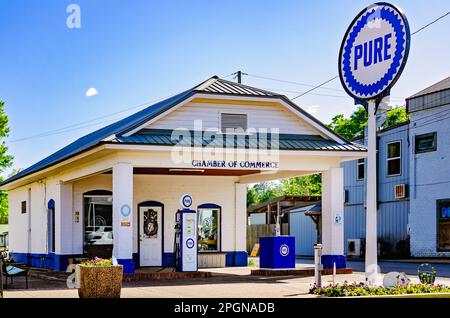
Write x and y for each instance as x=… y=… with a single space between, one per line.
x=360 y=289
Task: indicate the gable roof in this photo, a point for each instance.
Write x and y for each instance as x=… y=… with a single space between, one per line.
x=213 y=85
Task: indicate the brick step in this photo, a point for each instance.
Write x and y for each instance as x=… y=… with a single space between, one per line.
x=164 y=276
x=298 y=272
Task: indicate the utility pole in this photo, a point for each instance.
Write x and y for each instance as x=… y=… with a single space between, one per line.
x=238 y=75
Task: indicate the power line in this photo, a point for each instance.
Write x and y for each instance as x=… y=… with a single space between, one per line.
x=82 y=124
x=316 y=87
x=239 y=74
x=292 y=82
x=432 y=22
x=415 y=32
x=315 y=94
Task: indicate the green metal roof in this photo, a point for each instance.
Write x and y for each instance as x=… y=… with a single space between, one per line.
x=163 y=137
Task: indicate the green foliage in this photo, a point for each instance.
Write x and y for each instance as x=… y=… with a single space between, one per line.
x=262 y=192
x=353 y=127
x=306 y=185
x=396 y=116
x=5 y=161
x=360 y=289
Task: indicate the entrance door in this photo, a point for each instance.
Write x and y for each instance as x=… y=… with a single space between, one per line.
x=150 y=234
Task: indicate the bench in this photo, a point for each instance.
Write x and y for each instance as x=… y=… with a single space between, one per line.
x=11 y=269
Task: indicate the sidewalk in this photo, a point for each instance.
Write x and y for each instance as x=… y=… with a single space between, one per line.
x=224 y=283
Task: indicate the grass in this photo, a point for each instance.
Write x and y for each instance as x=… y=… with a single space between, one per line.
x=360 y=289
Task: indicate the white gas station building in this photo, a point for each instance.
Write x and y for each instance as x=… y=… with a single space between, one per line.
x=115 y=191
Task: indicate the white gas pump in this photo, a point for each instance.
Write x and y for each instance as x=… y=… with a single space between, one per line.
x=186 y=237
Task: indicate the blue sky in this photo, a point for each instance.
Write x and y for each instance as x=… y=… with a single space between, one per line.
x=135 y=52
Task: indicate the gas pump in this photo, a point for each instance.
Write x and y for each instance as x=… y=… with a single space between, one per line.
x=186 y=237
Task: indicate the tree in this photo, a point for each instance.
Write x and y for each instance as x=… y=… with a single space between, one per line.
x=262 y=192
x=306 y=185
x=5 y=161
x=349 y=128
x=395 y=116
x=353 y=127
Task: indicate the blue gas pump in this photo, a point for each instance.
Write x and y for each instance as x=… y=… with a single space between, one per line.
x=186 y=238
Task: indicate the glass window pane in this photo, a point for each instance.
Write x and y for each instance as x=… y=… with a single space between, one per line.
x=394 y=150
x=393 y=166
x=444 y=225
x=426 y=142
x=360 y=171
x=208 y=229
x=98 y=221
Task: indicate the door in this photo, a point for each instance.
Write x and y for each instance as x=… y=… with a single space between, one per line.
x=150 y=235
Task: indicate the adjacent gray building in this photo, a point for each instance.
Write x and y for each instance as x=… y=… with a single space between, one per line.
x=413 y=186
x=429 y=169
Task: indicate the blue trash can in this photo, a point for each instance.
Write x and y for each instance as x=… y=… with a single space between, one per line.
x=277 y=252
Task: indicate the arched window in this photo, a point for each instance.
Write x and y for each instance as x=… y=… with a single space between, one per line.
x=98 y=234
x=209 y=227
x=51 y=226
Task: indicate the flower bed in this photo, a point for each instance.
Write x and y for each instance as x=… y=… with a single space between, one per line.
x=360 y=289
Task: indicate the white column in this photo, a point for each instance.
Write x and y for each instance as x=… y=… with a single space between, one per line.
x=63 y=219
x=333 y=218
x=371 y=202
x=240 y=225
x=123 y=215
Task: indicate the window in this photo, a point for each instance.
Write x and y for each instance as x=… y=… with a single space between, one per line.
x=443 y=207
x=360 y=167
x=23 y=207
x=232 y=122
x=51 y=226
x=394 y=150
x=426 y=142
x=208 y=227
x=98 y=235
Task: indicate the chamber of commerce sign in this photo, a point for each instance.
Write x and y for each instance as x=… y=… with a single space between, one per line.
x=374 y=51
x=235 y=164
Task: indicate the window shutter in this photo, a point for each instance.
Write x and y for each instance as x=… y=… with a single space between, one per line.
x=233 y=121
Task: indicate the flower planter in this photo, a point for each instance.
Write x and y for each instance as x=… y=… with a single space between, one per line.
x=99 y=281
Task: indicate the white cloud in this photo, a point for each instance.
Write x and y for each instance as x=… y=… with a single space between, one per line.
x=313 y=109
x=91 y=92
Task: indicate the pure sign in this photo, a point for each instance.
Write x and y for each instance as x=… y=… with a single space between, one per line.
x=374 y=51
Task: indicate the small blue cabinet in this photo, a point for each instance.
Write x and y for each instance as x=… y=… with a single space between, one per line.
x=277 y=252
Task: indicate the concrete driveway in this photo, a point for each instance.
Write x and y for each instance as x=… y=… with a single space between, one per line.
x=225 y=283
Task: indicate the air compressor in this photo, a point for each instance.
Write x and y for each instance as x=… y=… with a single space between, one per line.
x=186 y=238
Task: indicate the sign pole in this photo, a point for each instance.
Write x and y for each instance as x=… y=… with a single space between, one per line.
x=371 y=201
x=372 y=56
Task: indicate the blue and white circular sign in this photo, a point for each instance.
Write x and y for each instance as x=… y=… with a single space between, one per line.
x=284 y=250
x=190 y=243
x=374 y=51
x=186 y=200
x=125 y=210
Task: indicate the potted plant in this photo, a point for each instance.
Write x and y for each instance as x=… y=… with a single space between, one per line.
x=99 y=278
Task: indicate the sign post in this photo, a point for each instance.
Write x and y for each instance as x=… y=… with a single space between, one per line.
x=373 y=54
x=371 y=261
